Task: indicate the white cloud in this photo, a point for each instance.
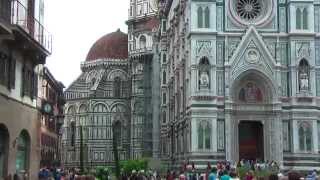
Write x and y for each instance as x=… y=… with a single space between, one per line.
x=75 y=26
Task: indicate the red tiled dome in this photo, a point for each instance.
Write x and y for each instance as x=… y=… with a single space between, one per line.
x=113 y=46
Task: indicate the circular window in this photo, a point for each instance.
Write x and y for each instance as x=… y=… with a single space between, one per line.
x=248 y=9
x=246 y=12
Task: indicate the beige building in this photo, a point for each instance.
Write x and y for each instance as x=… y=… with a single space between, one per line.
x=24 y=44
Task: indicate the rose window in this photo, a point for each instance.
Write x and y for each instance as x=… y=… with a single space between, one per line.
x=248 y=9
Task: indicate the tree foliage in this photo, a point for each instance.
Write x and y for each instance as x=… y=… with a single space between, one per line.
x=137 y=165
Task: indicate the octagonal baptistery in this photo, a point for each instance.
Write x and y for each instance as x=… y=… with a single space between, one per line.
x=97 y=99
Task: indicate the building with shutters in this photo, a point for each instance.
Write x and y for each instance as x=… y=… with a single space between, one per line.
x=24 y=43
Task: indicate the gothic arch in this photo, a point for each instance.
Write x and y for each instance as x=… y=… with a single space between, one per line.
x=92 y=75
x=100 y=107
x=267 y=87
x=123 y=107
x=117 y=73
x=71 y=109
x=82 y=108
x=142 y=41
x=304 y=75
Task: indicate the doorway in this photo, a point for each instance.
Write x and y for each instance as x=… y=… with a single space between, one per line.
x=251 y=140
x=4 y=145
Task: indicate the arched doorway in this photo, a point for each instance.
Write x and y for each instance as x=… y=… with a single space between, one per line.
x=4 y=146
x=22 y=156
x=253 y=116
x=251 y=140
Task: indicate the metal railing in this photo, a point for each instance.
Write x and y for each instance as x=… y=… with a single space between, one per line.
x=21 y=16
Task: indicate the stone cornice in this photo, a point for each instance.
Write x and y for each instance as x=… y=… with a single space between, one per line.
x=103 y=62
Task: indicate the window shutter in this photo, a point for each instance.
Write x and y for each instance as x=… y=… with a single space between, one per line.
x=34 y=85
x=12 y=75
x=2 y=68
x=23 y=84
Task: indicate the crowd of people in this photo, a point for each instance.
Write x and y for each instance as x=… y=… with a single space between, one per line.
x=242 y=170
x=58 y=174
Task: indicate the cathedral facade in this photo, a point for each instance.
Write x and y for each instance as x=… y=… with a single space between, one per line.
x=240 y=79
x=202 y=81
x=116 y=86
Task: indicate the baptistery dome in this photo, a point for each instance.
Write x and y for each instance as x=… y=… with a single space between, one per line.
x=110 y=46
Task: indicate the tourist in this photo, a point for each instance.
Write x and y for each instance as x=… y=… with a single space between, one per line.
x=312 y=175
x=225 y=175
x=213 y=174
x=294 y=175
x=273 y=177
x=249 y=175
x=182 y=176
x=169 y=176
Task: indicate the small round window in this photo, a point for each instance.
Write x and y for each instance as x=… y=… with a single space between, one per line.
x=248 y=9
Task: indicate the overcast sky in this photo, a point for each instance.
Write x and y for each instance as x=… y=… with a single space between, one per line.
x=75 y=26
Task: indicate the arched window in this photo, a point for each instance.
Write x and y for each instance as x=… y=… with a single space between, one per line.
x=204 y=135
x=72 y=132
x=304 y=74
x=298 y=19
x=164 y=98
x=207 y=18
x=305 y=137
x=200 y=17
x=164 y=77
x=207 y=136
x=164 y=117
x=4 y=145
x=305 y=18
x=23 y=146
x=117 y=87
x=143 y=42
x=204 y=73
x=200 y=136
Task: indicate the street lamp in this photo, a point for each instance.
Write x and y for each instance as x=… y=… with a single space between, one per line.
x=116 y=125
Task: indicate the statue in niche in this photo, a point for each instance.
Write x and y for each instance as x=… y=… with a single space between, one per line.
x=304 y=81
x=204 y=80
x=303 y=76
x=250 y=93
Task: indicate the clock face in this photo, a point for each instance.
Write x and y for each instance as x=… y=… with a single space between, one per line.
x=47 y=108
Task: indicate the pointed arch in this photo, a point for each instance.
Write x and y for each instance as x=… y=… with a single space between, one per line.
x=83 y=108
x=207 y=17
x=204 y=134
x=298 y=19
x=200 y=136
x=200 y=17
x=305 y=18
x=304 y=75
x=204 y=73
x=305 y=136
x=142 y=42
x=164 y=117
x=117 y=87
x=207 y=136
x=164 y=77
x=100 y=107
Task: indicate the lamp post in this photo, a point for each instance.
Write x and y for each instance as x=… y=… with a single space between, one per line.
x=116 y=128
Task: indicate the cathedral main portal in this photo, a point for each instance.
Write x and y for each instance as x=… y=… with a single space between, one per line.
x=251 y=140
